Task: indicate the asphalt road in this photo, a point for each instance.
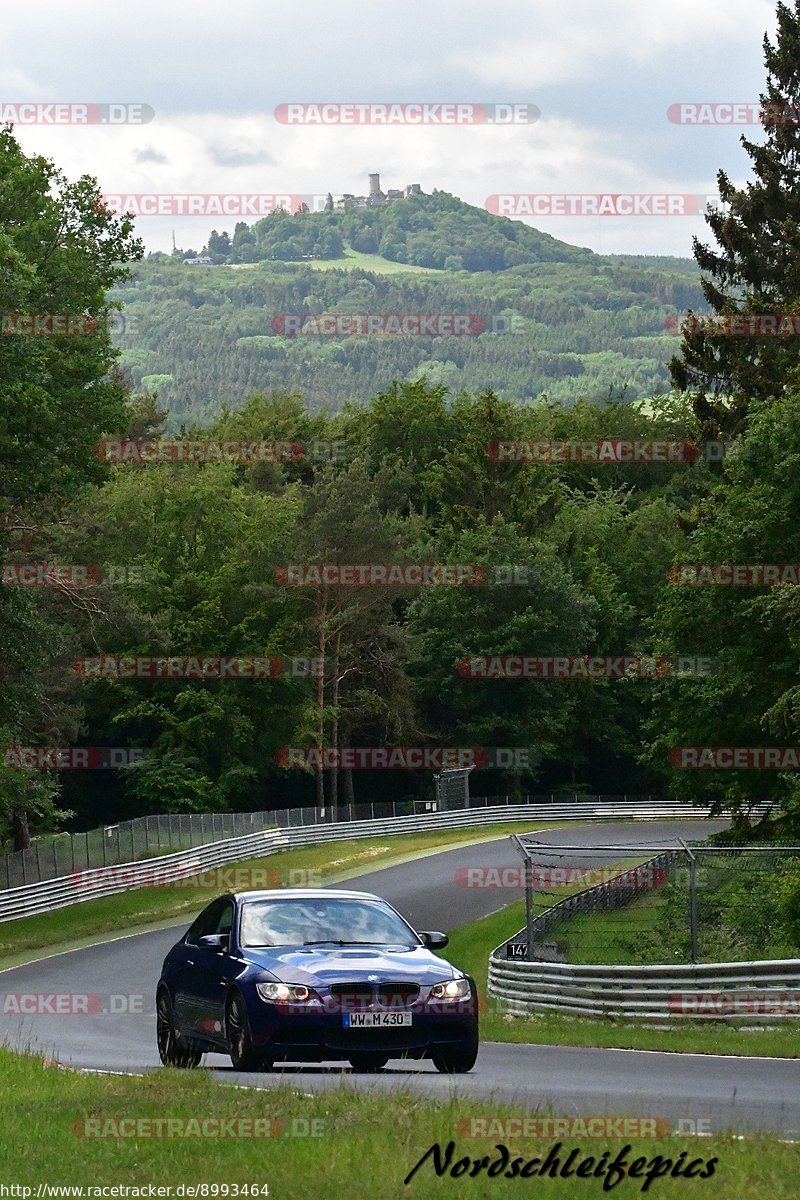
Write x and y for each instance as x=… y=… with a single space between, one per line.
x=116 y=980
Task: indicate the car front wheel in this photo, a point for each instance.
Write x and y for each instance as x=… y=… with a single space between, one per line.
x=240 y=1039
x=458 y=1059
x=172 y=1050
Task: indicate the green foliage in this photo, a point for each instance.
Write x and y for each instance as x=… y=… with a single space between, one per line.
x=748 y=516
x=167 y=785
x=754 y=269
x=568 y=325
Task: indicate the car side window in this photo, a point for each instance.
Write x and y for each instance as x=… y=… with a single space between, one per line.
x=217 y=918
x=225 y=923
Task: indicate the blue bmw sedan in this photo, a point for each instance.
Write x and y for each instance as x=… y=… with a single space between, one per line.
x=313 y=975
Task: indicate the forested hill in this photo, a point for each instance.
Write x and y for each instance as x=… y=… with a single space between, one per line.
x=438 y=231
x=564 y=322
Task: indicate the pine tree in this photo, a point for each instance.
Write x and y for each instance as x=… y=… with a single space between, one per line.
x=756 y=269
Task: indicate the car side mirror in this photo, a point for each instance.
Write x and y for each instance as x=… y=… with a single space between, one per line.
x=214 y=941
x=434 y=940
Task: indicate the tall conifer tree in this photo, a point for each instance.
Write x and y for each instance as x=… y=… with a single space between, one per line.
x=756 y=267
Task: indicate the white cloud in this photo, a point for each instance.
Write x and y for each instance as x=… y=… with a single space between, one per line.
x=583 y=40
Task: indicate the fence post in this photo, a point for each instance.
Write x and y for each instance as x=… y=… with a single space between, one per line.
x=529 y=905
x=692 y=898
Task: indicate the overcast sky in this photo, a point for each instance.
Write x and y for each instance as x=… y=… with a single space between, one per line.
x=602 y=74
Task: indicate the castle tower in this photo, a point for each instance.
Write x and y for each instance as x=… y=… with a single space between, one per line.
x=375 y=184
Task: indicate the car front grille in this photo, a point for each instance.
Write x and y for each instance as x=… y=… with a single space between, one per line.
x=394 y=996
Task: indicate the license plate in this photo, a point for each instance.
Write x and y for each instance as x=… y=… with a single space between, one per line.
x=375 y=1020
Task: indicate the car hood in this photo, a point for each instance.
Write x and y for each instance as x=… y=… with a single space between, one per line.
x=320 y=966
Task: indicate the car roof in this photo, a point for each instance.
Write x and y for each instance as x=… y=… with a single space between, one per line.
x=305 y=894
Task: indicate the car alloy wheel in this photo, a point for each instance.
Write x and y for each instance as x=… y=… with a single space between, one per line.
x=172 y=1051
x=240 y=1040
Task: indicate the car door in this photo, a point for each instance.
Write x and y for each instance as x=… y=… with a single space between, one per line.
x=210 y=972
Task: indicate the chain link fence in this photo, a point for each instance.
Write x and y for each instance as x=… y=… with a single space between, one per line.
x=689 y=903
x=148 y=837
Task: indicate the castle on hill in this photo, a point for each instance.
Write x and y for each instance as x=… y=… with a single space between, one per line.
x=376 y=198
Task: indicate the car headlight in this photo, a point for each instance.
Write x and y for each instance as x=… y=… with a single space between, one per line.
x=285 y=993
x=454 y=989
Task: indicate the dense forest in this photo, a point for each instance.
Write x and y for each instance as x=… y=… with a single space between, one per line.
x=529 y=554
x=576 y=561
x=202 y=336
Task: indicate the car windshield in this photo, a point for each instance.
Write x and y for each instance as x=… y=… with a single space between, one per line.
x=322 y=922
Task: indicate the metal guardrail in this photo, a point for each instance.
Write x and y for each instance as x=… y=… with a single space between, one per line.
x=81 y=886
x=764 y=990
x=131 y=840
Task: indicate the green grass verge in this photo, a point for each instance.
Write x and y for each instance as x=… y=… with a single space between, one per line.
x=470 y=947
x=612 y=937
x=141 y=908
x=655 y=928
x=362 y=1147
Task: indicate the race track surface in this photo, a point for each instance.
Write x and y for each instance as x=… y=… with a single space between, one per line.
x=695 y=1090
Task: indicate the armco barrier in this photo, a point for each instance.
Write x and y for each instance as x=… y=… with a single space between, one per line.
x=131 y=840
x=71 y=889
x=764 y=991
